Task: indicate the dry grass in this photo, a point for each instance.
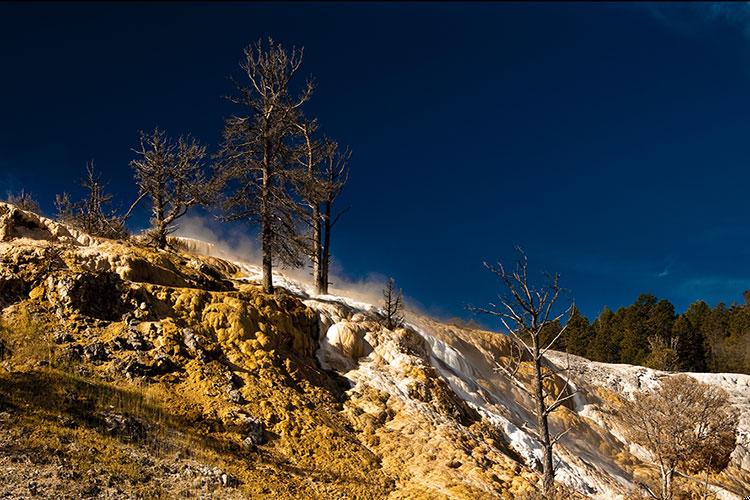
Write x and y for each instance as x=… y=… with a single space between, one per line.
x=54 y=413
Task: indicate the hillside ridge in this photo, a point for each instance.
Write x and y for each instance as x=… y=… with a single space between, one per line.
x=129 y=372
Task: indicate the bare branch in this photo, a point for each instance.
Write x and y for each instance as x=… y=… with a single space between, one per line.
x=525 y=315
x=170 y=174
x=392 y=305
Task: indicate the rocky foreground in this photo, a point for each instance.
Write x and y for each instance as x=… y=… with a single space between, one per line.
x=131 y=373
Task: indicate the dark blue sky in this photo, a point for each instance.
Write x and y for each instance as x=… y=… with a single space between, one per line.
x=610 y=141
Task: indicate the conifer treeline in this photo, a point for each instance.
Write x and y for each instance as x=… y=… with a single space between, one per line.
x=650 y=333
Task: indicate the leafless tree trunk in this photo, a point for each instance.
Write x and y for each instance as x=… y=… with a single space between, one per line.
x=322 y=280
x=265 y=218
x=666 y=479
x=324 y=174
x=526 y=312
x=336 y=174
x=257 y=154
x=171 y=175
x=311 y=189
x=393 y=305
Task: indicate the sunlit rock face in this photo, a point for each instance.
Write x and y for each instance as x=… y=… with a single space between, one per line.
x=176 y=367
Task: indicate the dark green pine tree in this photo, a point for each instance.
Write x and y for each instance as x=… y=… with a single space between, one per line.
x=690 y=345
x=634 y=347
x=660 y=319
x=699 y=313
x=605 y=346
x=548 y=334
x=735 y=345
x=578 y=334
x=715 y=329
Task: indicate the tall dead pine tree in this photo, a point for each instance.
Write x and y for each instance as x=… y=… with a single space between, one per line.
x=335 y=175
x=526 y=313
x=393 y=305
x=171 y=175
x=323 y=176
x=257 y=155
x=310 y=187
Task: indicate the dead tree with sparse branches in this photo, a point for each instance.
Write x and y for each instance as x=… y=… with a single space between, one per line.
x=24 y=200
x=324 y=172
x=258 y=153
x=171 y=175
x=311 y=189
x=335 y=175
x=393 y=305
x=93 y=214
x=527 y=313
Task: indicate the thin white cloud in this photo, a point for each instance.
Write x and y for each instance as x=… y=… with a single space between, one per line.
x=691 y=18
x=667 y=269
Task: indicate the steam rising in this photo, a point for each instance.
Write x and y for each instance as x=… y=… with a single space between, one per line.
x=204 y=235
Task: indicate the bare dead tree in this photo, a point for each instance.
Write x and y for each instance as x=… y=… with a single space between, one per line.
x=527 y=313
x=93 y=214
x=393 y=305
x=310 y=187
x=335 y=175
x=257 y=155
x=683 y=423
x=24 y=200
x=170 y=174
x=324 y=172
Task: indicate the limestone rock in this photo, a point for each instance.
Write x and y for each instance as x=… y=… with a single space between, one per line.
x=349 y=338
x=97 y=295
x=17 y=223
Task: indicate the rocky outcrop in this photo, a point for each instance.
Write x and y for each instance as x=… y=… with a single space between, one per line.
x=19 y=224
x=347 y=343
x=96 y=295
x=12 y=288
x=168 y=373
x=165 y=351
